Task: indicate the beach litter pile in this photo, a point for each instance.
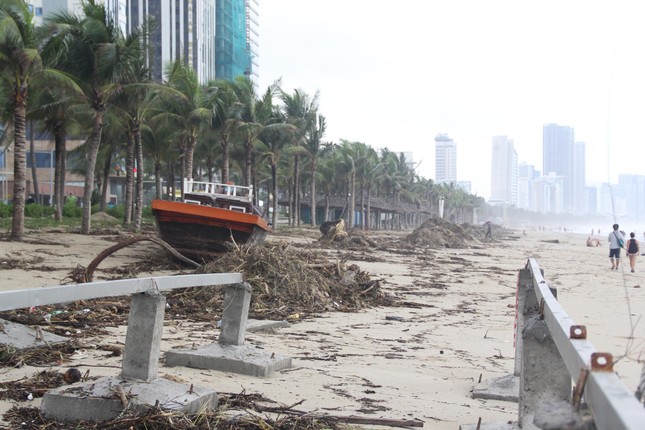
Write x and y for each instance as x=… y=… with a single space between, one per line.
x=436 y=233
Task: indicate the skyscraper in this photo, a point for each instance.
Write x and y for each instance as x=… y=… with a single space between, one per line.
x=179 y=30
x=252 y=36
x=232 y=53
x=504 y=172
x=445 y=159
x=558 y=159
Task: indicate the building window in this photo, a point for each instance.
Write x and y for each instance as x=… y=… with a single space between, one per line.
x=43 y=159
x=39 y=11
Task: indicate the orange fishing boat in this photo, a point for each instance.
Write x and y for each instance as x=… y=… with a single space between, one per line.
x=211 y=217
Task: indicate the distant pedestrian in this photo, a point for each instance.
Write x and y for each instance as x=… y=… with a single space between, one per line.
x=633 y=250
x=489 y=230
x=616 y=241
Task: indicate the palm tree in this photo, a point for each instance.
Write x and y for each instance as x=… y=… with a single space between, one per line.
x=227 y=112
x=314 y=146
x=58 y=111
x=182 y=106
x=300 y=110
x=20 y=61
x=92 y=49
x=250 y=126
x=275 y=137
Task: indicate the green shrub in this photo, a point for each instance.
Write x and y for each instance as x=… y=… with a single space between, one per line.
x=72 y=211
x=6 y=210
x=34 y=210
x=117 y=211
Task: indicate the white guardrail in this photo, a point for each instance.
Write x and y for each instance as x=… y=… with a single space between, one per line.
x=611 y=404
x=17 y=299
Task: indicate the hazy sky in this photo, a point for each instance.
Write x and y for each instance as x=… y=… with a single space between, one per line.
x=396 y=74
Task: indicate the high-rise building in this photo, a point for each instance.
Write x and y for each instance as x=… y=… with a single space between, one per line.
x=558 y=159
x=232 y=54
x=580 y=205
x=445 y=159
x=179 y=30
x=504 y=172
x=526 y=175
x=252 y=37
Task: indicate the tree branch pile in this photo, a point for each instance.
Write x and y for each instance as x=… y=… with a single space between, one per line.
x=287 y=281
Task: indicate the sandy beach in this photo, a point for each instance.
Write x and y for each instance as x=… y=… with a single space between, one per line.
x=415 y=361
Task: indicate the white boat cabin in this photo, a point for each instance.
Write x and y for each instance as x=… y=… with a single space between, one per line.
x=221 y=195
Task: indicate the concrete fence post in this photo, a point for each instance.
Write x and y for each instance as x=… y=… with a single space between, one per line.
x=524 y=288
x=143 y=336
x=544 y=375
x=237 y=300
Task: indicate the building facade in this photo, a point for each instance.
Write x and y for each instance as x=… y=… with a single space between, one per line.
x=558 y=159
x=445 y=159
x=178 y=30
x=504 y=172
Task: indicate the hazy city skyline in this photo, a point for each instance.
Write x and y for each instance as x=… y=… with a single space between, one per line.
x=397 y=75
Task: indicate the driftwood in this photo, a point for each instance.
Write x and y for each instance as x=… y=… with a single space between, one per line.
x=89 y=271
x=352 y=419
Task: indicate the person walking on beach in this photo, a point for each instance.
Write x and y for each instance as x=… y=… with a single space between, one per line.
x=616 y=240
x=489 y=230
x=632 y=250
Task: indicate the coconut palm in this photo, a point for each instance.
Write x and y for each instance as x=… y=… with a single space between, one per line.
x=275 y=138
x=314 y=146
x=226 y=116
x=182 y=106
x=91 y=48
x=300 y=110
x=20 y=61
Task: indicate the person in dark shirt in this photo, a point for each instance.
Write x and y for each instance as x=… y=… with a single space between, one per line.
x=632 y=250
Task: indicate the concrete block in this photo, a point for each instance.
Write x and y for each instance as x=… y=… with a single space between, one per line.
x=242 y=359
x=100 y=400
x=143 y=336
x=237 y=300
x=505 y=388
x=21 y=336
x=556 y=415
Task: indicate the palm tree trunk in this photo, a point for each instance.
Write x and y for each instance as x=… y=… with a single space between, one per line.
x=326 y=207
x=59 y=172
x=34 y=167
x=248 y=161
x=274 y=177
x=313 y=192
x=105 y=181
x=188 y=159
x=129 y=179
x=139 y=158
x=158 y=180
x=20 y=164
x=171 y=182
x=90 y=168
x=296 y=190
x=369 y=207
x=225 y=160
x=352 y=200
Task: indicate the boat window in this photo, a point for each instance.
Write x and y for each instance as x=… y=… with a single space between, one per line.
x=237 y=208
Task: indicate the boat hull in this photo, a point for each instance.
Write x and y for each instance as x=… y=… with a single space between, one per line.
x=203 y=231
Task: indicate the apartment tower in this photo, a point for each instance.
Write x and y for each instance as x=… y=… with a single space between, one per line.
x=445 y=159
x=504 y=172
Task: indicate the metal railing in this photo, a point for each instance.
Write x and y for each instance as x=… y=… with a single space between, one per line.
x=229 y=189
x=611 y=404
